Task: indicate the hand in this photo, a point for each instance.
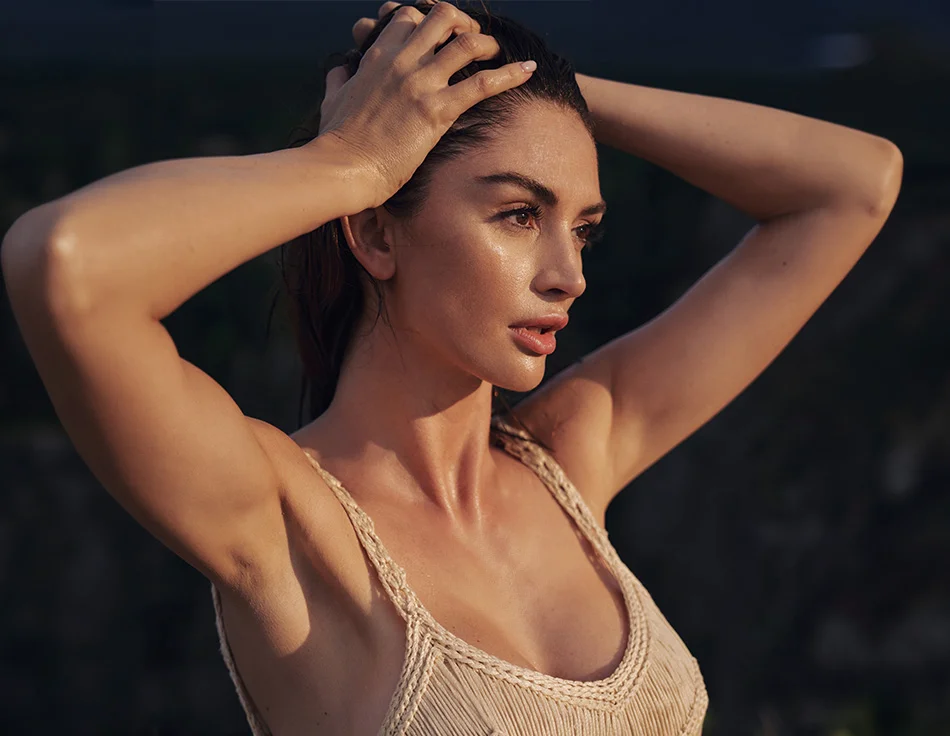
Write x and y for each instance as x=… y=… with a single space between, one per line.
x=397 y=106
x=364 y=26
x=338 y=76
x=361 y=30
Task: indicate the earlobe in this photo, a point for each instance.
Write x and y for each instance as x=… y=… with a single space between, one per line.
x=370 y=242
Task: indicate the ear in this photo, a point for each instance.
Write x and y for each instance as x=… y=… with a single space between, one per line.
x=371 y=236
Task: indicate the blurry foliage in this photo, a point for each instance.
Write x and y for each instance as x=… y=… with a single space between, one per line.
x=798 y=542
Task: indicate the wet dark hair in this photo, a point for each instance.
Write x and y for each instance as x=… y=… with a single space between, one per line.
x=323 y=277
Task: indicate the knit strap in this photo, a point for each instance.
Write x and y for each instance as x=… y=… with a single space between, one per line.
x=254 y=718
x=525 y=448
x=391 y=575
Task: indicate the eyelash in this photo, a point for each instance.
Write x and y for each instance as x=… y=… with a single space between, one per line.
x=596 y=230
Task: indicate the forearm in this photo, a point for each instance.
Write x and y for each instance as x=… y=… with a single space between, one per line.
x=763 y=161
x=150 y=237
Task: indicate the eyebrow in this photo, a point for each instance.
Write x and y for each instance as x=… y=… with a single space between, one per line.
x=545 y=194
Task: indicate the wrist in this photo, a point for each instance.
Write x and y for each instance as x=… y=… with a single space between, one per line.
x=584 y=82
x=355 y=180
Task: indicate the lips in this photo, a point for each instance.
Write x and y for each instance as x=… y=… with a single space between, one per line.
x=545 y=324
x=533 y=341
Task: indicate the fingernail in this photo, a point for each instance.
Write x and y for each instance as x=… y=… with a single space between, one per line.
x=529 y=66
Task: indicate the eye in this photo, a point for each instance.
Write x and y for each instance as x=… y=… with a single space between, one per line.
x=532 y=211
x=594 y=233
x=589 y=232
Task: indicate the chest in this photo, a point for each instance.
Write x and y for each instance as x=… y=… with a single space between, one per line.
x=529 y=589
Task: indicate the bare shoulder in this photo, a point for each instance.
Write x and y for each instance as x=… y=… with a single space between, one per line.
x=571 y=414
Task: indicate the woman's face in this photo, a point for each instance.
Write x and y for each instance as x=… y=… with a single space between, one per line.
x=470 y=265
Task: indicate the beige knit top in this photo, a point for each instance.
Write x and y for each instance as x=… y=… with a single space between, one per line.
x=448 y=687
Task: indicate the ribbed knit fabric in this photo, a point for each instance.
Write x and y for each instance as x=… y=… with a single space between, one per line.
x=449 y=687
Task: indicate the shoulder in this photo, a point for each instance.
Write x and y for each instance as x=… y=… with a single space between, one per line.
x=571 y=415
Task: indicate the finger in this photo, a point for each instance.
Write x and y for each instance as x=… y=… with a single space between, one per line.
x=484 y=84
x=437 y=27
x=464 y=49
x=404 y=21
x=386 y=7
x=364 y=26
x=336 y=78
x=361 y=30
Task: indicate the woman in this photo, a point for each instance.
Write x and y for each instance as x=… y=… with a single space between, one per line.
x=453 y=191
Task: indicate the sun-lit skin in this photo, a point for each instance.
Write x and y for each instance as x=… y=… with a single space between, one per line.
x=415 y=415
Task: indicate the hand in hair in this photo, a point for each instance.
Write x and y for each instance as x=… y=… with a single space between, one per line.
x=392 y=112
x=364 y=26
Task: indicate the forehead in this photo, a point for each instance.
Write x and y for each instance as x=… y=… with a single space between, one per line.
x=543 y=142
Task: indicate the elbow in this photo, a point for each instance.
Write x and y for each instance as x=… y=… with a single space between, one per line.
x=42 y=266
x=889 y=181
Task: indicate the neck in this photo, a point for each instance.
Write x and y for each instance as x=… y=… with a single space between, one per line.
x=413 y=429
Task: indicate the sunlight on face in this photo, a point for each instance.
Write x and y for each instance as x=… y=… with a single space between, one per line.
x=499 y=242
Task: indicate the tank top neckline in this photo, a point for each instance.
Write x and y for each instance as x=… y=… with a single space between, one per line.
x=611 y=688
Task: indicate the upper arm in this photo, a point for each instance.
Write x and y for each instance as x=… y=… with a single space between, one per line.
x=162 y=437
x=673 y=374
x=631 y=401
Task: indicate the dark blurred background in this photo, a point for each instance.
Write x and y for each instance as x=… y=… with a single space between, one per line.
x=799 y=542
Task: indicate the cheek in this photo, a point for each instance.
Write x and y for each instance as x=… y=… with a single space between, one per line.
x=468 y=276
x=487 y=279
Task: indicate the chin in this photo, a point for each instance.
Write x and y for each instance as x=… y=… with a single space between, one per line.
x=526 y=377
x=509 y=368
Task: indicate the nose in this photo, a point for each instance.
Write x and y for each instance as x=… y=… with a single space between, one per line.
x=562 y=269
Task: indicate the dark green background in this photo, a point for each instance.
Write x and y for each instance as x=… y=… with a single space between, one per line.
x=799 y=542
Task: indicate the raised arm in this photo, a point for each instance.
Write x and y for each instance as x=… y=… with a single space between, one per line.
x=821 y=192
x=89 y=277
